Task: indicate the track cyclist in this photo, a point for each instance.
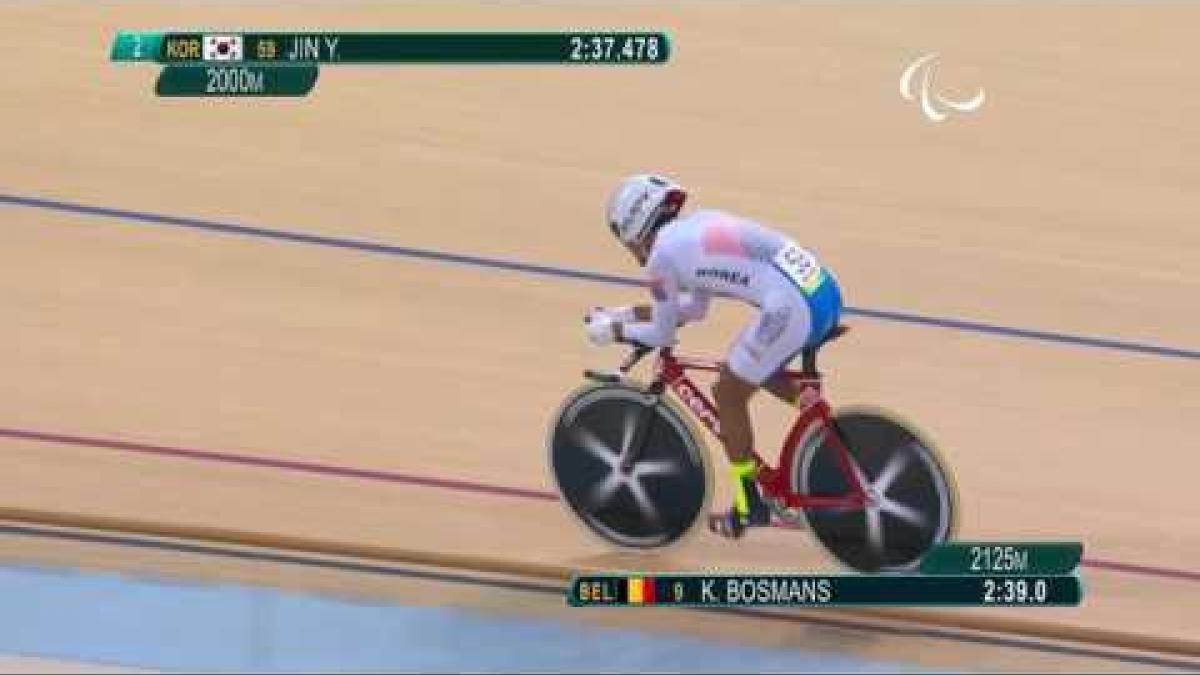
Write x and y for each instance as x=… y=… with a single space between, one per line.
x=688 y=260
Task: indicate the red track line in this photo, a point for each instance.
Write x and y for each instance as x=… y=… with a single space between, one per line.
x=1113 y=566
x=426 y=481
x=270 y=463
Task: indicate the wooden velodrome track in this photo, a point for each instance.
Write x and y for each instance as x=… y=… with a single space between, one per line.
x=1066 y=204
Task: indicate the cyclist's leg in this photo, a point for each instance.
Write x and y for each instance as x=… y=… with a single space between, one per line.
x=732 y=395
x=783 y=388
x=825 y=312
x=779 y=332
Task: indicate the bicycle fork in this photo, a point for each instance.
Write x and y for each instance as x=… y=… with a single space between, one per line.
x=640 y=432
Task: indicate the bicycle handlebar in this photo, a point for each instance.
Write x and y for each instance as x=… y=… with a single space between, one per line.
x=638 y=353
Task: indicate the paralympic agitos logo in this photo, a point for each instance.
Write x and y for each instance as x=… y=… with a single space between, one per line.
x=935 y=106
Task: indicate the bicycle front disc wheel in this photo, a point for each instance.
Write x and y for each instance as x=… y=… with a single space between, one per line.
x=660 y=497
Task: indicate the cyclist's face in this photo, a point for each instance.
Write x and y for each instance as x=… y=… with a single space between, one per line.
x=641 y=250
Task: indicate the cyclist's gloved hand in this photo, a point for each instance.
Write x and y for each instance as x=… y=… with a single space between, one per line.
x=600 y=327
x=624 y=314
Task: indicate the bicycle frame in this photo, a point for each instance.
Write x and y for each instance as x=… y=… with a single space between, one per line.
x=671 y=371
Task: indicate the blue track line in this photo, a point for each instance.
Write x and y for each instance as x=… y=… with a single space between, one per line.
x=581 y=275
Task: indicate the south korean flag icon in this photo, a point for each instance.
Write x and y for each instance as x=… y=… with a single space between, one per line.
x=222 y=48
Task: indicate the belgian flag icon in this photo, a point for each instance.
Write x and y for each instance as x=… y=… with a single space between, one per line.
x=640 y=590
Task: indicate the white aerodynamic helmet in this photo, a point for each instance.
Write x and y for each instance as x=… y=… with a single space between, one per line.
x=641 y=203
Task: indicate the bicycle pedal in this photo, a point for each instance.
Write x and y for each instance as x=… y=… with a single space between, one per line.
x=732 y=526
x=760 y=517
x=726 y=525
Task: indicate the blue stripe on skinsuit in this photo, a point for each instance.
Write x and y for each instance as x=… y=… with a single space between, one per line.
x=824 y=312
x=824 y=307
x=824 y=303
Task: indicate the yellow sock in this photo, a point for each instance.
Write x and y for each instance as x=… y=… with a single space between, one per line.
x=743 y=470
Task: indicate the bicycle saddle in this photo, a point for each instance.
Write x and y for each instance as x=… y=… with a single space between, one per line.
x=809 y=361
x=833 y=334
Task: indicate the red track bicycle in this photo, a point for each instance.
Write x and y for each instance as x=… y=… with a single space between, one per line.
x=629 y=463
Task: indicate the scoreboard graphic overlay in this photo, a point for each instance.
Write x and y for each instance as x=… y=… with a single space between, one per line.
x=1042 y=574
x=228 y=63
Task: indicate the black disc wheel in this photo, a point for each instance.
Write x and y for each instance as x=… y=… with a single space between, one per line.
x=911 y=497
x=650 y=503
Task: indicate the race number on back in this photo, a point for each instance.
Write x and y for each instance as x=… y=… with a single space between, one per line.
x=801 y=267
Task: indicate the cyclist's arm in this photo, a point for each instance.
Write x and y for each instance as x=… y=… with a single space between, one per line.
x=659 y=330
x=693 y=306
x=632 y=313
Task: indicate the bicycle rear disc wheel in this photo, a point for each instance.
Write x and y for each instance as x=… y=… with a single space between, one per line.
x=913 y=498
x=666 y=490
